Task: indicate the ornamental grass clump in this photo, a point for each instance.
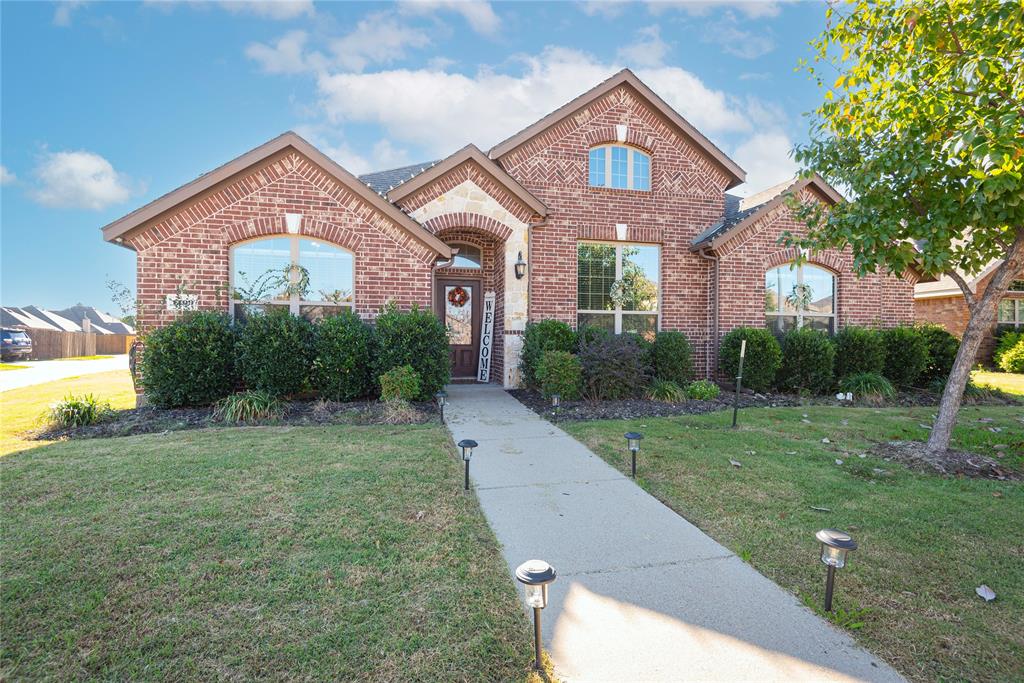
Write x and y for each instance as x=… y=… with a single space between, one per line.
x=253 y=405
x=77 y=411
x=665 y=391
x=870 y=387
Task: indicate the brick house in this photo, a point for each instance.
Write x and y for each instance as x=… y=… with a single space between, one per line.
x=611 y=211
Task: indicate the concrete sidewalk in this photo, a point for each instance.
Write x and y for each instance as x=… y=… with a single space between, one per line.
x=642 y=594
x=42 y=371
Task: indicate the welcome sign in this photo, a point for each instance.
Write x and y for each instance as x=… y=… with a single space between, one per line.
x=483 y=373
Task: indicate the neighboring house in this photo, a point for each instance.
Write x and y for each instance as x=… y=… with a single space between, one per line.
x=942 y=302
x=99 y=322
x=20 y=318
x=611 y=211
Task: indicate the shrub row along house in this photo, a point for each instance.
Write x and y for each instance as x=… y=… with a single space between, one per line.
x=612 y=211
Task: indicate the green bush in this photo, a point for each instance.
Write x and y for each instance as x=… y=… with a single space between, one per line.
x=764 y=356
x=190 y=362
x=702 y=390
x=614 y=367
x=1012 y=360
x=275 y=352
x=343 y=357
x=590 y=333
x=906 y=356
x=418 y=338
x=546 y=335
x=665 y=390
x=808 y=359
x=559 y=372
x=858 y=350
x=672 y=357
x=77 y=411
x=400 y=384
x=942 y=348
x=868 y=386
x=252 y=405
x=1006 y=341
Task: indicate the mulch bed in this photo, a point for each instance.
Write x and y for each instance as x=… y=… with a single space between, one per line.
x=151 y=420
x=913 y=454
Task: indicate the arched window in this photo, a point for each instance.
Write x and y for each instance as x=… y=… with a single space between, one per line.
x=619 y=167
x=469 y=256
x=800 y=296
x=307 y=277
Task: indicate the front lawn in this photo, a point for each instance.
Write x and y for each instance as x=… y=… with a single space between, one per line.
x=1010 y=382
x=926 y=541
x=84 y=358
x=10 y=366
x=328 y=553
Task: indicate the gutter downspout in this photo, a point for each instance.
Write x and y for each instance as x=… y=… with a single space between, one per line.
x=712 y=343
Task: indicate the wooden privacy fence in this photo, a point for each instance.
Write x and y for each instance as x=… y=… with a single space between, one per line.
x=48 y=344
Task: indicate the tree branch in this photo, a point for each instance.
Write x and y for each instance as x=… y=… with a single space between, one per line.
x=964 y=287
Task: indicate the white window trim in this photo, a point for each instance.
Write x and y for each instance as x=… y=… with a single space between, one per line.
x=617 y=311
x=629 y=167
x=800 y=315
x=1018 y=313
x=294 y=302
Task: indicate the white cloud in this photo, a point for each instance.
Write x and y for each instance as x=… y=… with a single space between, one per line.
x=648 y=49
x=753 y=9
x=756 y=76
x=6 y=176
x=477 y=13
x=737 y=41
x=766 y=159
x=64 y=11
x=609 y=9
x=379 y=38
x=81 y=180
x=284 y=57
x=270 y=9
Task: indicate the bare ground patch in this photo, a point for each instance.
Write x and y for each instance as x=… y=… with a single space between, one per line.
x=952 y=462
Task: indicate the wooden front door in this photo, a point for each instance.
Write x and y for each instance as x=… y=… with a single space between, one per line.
x=459 y=305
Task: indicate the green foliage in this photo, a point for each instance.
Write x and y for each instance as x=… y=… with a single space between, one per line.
x=858 y=350
x=1012 y=360
x=559 y=372
x=614 y=367
x=275 y=352
x=665 y=390
x=942 y=348
x=400 y=383
x=702 y=390
x=1006 y=341
x=906 y=355
x=808 y=360
x=672 y=357
x=418 y=338
x=588 y=333
x=189 y=362
x=343 y=357
x=868 y=386
x=77 y=411
x=763 y=359
x=252 y=405
x=546 y=335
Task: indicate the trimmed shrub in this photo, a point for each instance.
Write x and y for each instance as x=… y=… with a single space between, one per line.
x=588 y=334
x=614 y=367
x=248 y=406
x=400 y=384
x=906 y=356
x=868 y=386
x=190 y=362
x=764 y=356
x=672 y=357
x=343 y=355
x=665 y=390
x=559 y=372
x=702 y=390
x=1012 y=360
x=808 y=359
x=942 y=348
x=77 y=411
x=858 y=350
x=275 y=352
x=546 y=335
x=418 y=338
x=1006 y=341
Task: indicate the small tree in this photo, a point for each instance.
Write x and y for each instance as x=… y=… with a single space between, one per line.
x=922 y=124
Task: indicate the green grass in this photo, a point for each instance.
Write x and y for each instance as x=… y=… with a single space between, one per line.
x=328 y=553
x=1010 y=382
x=10 y=366
x=926 y=541
x=84 y=358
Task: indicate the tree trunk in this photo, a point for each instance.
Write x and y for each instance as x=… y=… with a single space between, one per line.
x=983 y=313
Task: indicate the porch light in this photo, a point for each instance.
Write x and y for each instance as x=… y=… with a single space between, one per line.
x=467 y=446
x=520 y=267
x=834 y=546
x=633 y=442
x=293 y=221
x=535 y=575
x=441 y=397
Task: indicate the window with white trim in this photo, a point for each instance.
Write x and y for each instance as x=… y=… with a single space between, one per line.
x=1011 y=310
x=469 y=256
x=619 y=167
x=798 y=296
x=306 y=277
x=617 y=287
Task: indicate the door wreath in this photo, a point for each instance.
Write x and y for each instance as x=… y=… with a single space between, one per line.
x=458 y=297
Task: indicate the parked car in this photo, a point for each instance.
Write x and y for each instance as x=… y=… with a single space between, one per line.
x=14 y=345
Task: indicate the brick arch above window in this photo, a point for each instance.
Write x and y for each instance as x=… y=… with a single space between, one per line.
x=829 y=260
x=270 y=226
x=636 y=136
x=452 y=221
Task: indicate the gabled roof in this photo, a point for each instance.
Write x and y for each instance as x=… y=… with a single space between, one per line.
x=741 y=213
x=11 y=316
x=154 y=210
x=383 y=181
x=100 y=322
x=469 y=153
x=54 y=319
x=624 y=77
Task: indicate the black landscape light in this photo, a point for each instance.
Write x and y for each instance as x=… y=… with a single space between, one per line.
x=834 y=546
x=441 y=397
x=467 y=446
x=535 y=575
x=633 y=441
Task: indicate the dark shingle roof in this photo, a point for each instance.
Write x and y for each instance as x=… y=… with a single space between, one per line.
x=382 y=181
x=733 y=215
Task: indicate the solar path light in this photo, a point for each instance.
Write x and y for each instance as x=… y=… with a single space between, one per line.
x=834 y=546
x=535 y=575
x=633 y=442
x=441 y=397
x=556 y=399
x=467 y=446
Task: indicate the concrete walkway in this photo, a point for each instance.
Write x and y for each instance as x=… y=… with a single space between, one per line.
x=42 y=371
x=641 y=594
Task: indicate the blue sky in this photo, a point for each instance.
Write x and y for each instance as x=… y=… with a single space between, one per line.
x=106 y=106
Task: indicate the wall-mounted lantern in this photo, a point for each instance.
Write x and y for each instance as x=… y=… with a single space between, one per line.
x=520 y=267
